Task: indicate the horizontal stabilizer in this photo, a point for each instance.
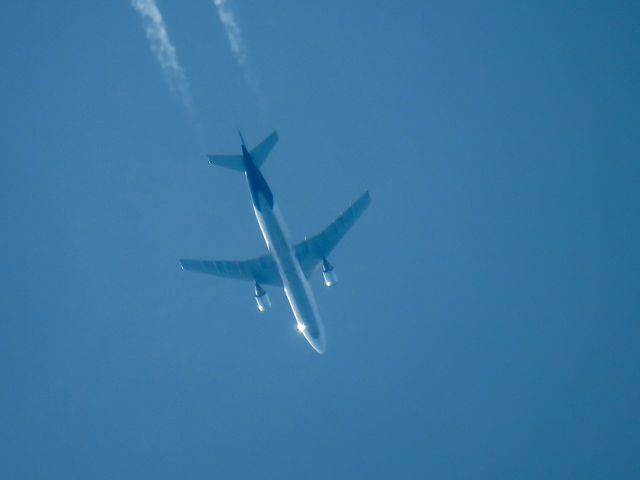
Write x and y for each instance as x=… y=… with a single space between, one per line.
x=259 y=154
x=234 y=162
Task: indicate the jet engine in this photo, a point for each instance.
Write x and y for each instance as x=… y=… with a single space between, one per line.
x=329 y=274
x=262 y=298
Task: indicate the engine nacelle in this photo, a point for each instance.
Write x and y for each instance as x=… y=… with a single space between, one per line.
x=262 y=298
x=329 y=274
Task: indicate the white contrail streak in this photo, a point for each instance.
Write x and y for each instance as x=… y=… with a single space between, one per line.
x=163 y=49
x=233 y=31
x=234 y=35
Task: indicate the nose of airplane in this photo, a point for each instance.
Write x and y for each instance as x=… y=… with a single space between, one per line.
x=314 y=336
x=317 y=343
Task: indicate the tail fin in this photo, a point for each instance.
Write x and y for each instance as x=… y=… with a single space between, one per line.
x=259 y=154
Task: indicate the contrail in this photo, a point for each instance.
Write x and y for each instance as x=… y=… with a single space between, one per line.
x=164 y=50
x=234 y=35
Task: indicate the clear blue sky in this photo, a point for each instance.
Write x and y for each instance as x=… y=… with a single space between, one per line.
x=487 y=320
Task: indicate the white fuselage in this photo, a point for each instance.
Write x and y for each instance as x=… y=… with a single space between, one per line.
x=296 y=286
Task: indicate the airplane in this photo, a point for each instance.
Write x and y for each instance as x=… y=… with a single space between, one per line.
x=285 y=265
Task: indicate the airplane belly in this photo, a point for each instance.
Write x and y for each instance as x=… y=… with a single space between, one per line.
x=281 y=266
x=296 y=286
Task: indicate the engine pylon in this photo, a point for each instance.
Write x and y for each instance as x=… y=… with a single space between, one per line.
x=329 y=273
x=262 y=298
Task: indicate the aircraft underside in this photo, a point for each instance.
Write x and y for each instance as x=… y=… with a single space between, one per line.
x=285 y=265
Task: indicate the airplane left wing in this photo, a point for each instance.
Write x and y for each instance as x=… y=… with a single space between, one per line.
x=261 y=269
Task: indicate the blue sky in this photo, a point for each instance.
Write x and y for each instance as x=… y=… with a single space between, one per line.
x=486 y=323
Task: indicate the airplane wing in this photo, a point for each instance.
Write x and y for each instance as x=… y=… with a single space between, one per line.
x=262 y=269
x=311 y=252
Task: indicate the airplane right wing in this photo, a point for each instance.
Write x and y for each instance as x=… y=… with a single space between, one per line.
x=311 y=252
x=261 y=269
